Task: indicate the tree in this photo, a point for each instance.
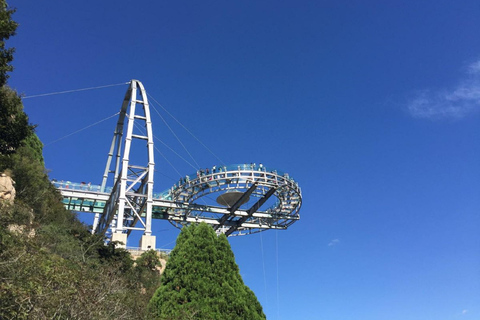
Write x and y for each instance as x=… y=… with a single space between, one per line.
x=7 y=29
x=146 y=274
x=14 y=126
x=202 y=281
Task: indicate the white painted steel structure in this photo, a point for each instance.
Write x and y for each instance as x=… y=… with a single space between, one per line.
x=274 y=200
x=131 y=198
x=260 y=198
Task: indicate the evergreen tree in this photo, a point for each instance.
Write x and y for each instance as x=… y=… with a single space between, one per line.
x=14 y=126
x=202 y=281
x=7 y=29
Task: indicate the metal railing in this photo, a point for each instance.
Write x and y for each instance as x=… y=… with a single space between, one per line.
x=138 y=251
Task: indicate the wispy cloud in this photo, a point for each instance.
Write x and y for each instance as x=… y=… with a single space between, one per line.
x=334 y=242
x=456 y=102
x=464 y=311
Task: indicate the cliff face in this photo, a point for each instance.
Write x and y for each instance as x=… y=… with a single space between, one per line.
x=135 y=254
x=7 y=189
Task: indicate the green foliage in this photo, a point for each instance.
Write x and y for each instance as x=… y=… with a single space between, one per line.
x=64 y=272
x=14 y=126
x=38 y=284
x=33 y=186
x=7 y=29
x=149 y=260
x=116 y=256
x=146 y=274
x=202 y=281
x=19 y=213
x=33 y=143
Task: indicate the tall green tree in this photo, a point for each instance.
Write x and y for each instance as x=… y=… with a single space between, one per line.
x=7 y=29
x=14 y=126
x=202 y=281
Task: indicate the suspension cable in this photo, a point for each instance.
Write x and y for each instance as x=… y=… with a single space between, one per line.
x=178 y=155
x=264 y=273
x=89 y=126
x=278 y=281
x=174 y=168
x=143 y=132
x=75 y=90
x=176 y=137
x=186 y=129
x=164 y=175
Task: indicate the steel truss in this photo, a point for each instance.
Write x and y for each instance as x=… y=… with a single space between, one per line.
x=130 y=204
x=239 y=218
x=130 y=201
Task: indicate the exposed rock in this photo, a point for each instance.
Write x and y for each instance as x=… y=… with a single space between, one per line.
x=135 y=254
x=7 y=189
x=21 y=229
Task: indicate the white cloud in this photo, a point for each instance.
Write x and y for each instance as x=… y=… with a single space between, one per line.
x=456 y=102
x=464 y=311
x=474 y=67
x=333 y=242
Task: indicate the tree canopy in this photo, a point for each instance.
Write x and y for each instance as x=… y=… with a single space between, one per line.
x=202 y=280
x=7 y=29
x=14 y=126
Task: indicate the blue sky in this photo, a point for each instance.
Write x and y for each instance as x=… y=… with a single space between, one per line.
x=372 y=106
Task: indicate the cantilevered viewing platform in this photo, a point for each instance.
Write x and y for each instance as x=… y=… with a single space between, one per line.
x=236 y=199
x=247 y=199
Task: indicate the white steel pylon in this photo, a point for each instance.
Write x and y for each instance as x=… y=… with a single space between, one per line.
x=130 y=203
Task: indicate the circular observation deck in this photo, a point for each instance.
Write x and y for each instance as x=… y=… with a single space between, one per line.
x=237 y=199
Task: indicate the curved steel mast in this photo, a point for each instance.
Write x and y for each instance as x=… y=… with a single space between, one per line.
x=129 y=206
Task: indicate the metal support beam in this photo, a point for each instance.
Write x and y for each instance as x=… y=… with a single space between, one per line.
x=260 y=202
x=251 y=211
x=235 y=206
x=243 y=197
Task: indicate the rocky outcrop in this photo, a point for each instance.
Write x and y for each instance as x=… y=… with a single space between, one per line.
x=21 y=229
x=7 y=189
x=135 y=254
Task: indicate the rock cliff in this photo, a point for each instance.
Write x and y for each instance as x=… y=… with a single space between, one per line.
x=7 y=189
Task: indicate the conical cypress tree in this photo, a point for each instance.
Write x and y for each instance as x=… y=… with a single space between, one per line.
x=202 y=281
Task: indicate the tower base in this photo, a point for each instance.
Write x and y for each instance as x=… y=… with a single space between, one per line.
x=147 y=243
x=120 y=237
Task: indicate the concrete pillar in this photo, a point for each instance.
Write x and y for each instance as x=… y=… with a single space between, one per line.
x=121 y=237
x=147 y=243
